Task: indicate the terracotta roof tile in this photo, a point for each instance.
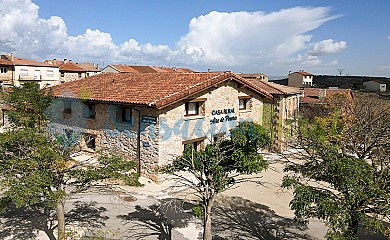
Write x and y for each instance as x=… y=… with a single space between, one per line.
x=71 y=67
x=303 y=73
x=5 y=62
x=274 y=88
x=26 y=62
x=312 y=95
x=88 y=67
x=154 y=89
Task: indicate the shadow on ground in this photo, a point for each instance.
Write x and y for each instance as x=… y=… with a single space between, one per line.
x=22 y=223
x=157 y=220
x=238 y=218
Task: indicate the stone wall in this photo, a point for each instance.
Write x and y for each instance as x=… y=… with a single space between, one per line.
x=70 y=76
x=111 y=136
x=176 y=128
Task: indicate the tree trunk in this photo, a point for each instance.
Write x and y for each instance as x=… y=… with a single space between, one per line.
x=207 y=235
x=61 y=219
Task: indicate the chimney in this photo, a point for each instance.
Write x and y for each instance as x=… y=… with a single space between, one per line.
x=12 y=57
x=65 y=60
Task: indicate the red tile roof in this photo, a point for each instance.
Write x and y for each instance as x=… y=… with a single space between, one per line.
x=88 y=67
x=71 y=67
x=274 y=88
x=312 y=95
x=25 y=62
x=4 y=62
x=303 y=73
x=149 y=69
x=153 y=89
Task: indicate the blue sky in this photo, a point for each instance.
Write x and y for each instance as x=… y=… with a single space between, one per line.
x=268 y=36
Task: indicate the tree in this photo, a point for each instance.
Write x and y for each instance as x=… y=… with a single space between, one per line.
x=37 y=170
x=216 y=168
x=341 y=171
x=29 y=104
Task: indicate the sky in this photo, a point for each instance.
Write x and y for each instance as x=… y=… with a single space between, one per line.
x=249 y=36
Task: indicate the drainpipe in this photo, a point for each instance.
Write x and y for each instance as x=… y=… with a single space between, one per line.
x=139 y=141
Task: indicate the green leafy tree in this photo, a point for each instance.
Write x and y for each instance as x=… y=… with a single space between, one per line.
x=29 y=104
x=217 y=167
x=37 y=170
x=341 y=170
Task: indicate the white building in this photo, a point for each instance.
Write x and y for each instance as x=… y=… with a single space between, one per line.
x=375 y=86
x=300 y=79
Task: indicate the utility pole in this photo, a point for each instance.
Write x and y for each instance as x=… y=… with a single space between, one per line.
x=341 y=70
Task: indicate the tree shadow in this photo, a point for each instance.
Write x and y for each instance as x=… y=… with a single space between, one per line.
x=25 y=223
x=238 y=218
x=86 y=215
x=157 y=220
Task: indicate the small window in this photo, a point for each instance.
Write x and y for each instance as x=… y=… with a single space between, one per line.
x=3 y=70
x=80 y=75
x=67 y=107
x=90 y=111
x=242 y=104
x=218 y=137
x=62 y=74
x=192 y=108
x=124 y=115
x=23 y=72
x=196 y=144
x=50 y=73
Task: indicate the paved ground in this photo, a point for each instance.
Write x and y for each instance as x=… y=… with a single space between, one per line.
x=248 y=211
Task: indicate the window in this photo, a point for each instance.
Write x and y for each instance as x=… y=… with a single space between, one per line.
x=90 y=110
x=242 y=104
x=79 y=75
x=62 y=74
x=192 y=108
x=50 y=73
x=219 y=137
x=195 y=144
x=67 y=107
x=23 y=72
x=124 y=115
x=3 y=70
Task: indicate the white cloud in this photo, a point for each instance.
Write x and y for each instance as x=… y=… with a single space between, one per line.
x=327 y=46
x=225 y=40
x=235 y=38
x=388 y=37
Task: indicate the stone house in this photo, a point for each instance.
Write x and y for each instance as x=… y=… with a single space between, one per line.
x=90 y=68
x=25 y=70
x=150 y=117
x=300 y=79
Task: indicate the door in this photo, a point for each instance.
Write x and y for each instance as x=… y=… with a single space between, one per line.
x=37 y=75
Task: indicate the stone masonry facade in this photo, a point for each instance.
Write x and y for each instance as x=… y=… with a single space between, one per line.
x=163 y=137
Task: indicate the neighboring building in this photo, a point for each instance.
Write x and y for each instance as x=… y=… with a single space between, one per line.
x=375 y=86
x=70 y=71
x=121 y=68
x=25 y=70
x=166 y=111
x=310 y=104
x=280 y=114
x=258 y=76
x=91 y=68
x=6 y=71
x=300 y=79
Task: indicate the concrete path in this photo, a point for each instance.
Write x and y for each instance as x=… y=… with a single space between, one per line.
x=251 y=210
